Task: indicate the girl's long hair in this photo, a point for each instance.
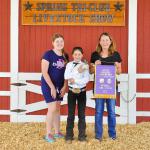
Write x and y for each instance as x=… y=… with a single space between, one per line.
x=54 y=37
x=112 y=47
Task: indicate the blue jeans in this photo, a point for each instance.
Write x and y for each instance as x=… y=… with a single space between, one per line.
x=99 y=117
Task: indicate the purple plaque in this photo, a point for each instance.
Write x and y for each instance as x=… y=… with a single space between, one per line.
x=105 y=81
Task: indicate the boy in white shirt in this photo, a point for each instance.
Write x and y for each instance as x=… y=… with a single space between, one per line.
x=77 y=74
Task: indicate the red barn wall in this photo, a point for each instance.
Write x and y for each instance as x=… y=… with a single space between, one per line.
x=4 y=54
x=143 y=55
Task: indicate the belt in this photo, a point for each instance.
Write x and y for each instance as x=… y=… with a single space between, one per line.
x=77 y=90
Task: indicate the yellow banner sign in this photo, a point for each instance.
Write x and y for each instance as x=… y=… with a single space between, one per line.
x=73 y=12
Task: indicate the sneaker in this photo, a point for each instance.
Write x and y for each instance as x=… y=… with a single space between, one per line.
x=49 y=138
x=58 y=135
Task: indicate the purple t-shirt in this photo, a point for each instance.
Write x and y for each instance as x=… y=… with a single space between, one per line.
x=56 y=67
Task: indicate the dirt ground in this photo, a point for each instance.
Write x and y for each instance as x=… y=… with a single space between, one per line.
x=29 y=136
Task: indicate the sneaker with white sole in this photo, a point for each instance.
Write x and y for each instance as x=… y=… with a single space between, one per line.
x=49 y=138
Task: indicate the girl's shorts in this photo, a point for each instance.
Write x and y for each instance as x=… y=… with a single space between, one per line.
x=47 y=93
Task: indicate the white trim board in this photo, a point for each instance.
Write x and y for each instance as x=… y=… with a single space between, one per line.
x=143 y=113
x=5 y=93
x=143 y=76
x=14 y=40
x=5 y=74
x=143 y=95
x=132 y=60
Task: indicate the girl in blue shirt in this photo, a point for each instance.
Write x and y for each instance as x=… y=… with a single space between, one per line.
x=53 y=85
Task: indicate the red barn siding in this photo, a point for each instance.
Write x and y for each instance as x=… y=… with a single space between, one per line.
x=33 y=43
x=4 y=53
x=142 y=119
x=143 y=104
x=4 y=35
x=4 y=118
x=4 y=103
x=143 y=85
x=143 y=46
x=4 y=84
x=33 y=97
